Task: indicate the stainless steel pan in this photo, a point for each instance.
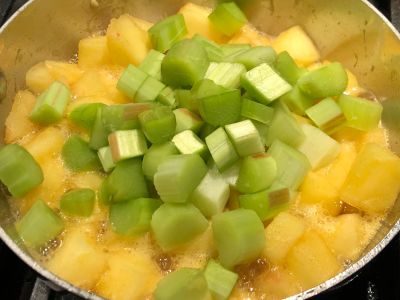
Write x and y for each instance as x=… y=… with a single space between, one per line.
x=350 y=31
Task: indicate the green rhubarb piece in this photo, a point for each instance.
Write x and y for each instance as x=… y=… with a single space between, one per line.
x=279 y=198
x=178 y=176
x=257 y=172
x=19 y=171
x=156 y=155
x=123 y=116
x=287 y=68
x=297 y=101
x=225 y=74
x=187 y=142
x=254 y=57
x=227 y=18
x=106 y=158
x=39 y=225
x=115 y=117
x=218 y=106
x=78 y=202
x=231 y=174
x=158 y=124
x=213 y=50
x=99 y=135
x=165 y=33
x=267 y=204
x=85 y=115
x=238 y=236
x=131 y=80
x=360 y=113
x=292 y=165
x=126 y=144
x=318 y=147
x=327 y=81
x=78 y=156
x=327 y=115
x=183 y=284
x=206 y=130
x=167 y=97
x=245 y=137
x=149 y=90
x=126 y=181
x=230 y=50
x=257 y=111
x=152 y=64
x=211 y=195
x=221 y=148
x=185 y=64
x=51 y=104
x=262 y=130
x=220 y=280
x=284 y=127
x=132 y=217
x=264 y=84
x=187 y=120
x=174 y=224
x=104 y=196
x=186 y=100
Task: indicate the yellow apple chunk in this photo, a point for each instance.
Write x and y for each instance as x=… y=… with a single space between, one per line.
x=374 y=180
x=18 y=123
x=127 y=42
x=79 y=260
x=311 y=261
x=93 y=52
x=281 y=235
x=299 y=45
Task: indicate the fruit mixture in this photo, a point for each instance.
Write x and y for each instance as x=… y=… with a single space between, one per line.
x=196 y=158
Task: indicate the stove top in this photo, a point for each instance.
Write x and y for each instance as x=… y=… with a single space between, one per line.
x=379 y=280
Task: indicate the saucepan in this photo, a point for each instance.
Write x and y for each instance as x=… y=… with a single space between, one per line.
x=350 y=31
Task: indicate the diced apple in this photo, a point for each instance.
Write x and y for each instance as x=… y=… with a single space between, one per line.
x=250 y=35
x=317 y=189
x=299 y=45
x=281 y=235
x=278 y=284
x=374 y=180
x=110 y=77
x=197 y=22
x=90 y=84
x=338 y=170
x=67 y=73
x=79 y=260
x=127 y=42
x=93 y=52
x=130 y=276
x=46 y=144
x=347 y=134
x=51 y=188
x=311 y=261
x=376 y=136
x=18 y=123
x=38 y=78
x=347 y=239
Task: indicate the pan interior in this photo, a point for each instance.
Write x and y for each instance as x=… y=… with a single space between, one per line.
x=346 y=31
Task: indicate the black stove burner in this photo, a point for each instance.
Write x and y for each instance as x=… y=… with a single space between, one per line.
x=379 y=280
